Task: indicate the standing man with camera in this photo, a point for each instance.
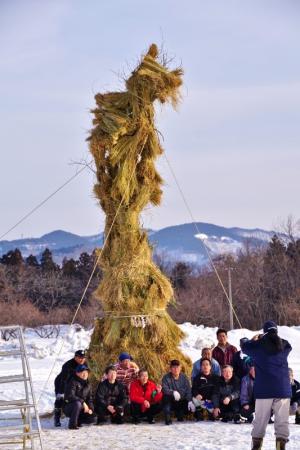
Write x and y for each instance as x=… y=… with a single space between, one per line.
x=272 y=388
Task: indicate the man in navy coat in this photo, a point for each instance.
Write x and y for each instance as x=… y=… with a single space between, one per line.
x=272 y=388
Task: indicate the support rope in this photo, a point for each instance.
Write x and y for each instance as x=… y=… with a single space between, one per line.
x=202 y=240
x=91 y=276
x=33 y=210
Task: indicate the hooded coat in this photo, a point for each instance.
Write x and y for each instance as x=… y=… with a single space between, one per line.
x=271 y=367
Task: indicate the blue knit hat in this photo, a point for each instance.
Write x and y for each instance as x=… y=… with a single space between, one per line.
x=124 y=355
x=269 y=325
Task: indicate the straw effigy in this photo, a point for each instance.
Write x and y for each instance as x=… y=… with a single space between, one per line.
x=134 y=293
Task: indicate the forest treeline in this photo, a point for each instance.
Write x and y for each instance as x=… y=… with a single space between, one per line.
x=265 y=285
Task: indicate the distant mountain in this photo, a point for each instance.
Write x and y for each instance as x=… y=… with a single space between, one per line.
x=180 y=242
x=61 y=243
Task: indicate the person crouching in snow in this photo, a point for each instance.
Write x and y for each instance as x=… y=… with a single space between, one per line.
x=177 y=394
x=67 y=371
x=78 y=399
x=110 y=398
x=204 y=385
x=295 y=399
x=247 y=399
x=127 y=370
x=272 y=388
x=145 y=398
x=226 y=397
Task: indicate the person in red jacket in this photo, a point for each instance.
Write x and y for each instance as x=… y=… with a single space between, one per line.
x=224 y=351
x=145 y=398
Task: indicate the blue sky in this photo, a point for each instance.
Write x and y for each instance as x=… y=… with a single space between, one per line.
x=233 y=143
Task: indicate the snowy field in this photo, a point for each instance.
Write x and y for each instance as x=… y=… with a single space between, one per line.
x=43 y=353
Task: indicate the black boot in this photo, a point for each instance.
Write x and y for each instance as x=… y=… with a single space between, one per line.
x=297 y=418
x=280 y=443
x=257 y=443
x=57 y=416
x=168 y=420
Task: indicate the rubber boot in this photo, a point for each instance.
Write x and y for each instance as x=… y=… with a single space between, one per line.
x=57 y=416
x=280 y=443
x=257 y=443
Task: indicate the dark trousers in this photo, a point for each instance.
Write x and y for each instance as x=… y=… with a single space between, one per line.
x=228 y=411
x=248 y=413
x=102 y=413
x=136 y=410
x=75 y=412
x=180 y=408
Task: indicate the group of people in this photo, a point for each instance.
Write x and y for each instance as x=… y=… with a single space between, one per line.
x=252 y=384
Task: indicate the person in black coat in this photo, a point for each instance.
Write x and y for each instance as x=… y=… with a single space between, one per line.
x=110 y=398
x=226 y=396
x=67 y=371
x=295 y=398
x=272 y=388
x=177 y=393
x=203 y=388
x=78 y=404
x=241 y=362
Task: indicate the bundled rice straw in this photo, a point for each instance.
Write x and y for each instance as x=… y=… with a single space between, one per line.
x=134 y=292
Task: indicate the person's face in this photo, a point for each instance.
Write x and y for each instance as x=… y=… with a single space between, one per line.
x=80 y=359
x=252 y=371
x=111 y=376
x=206 y=353
x=175 y=371
x=227 y=373
x=125 y=363
x=143 y=377
x=83 y=375
x=222 y=338
x=205 y=368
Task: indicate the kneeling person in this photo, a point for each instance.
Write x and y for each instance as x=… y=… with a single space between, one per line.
x=78 y=399
x=203 y=388
x=226 y=396
x=110 y=399
x=177 y=393
x=145 y=398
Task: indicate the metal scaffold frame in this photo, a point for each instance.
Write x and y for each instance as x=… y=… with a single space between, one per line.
x=24 y=433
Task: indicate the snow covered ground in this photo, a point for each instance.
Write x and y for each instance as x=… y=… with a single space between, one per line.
x=43 y=353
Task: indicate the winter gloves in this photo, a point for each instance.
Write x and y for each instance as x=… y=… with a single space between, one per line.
x=177 y=396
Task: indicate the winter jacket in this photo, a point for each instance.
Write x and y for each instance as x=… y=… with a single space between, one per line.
x=125 y=376
x=224 y=389
x=295 y=392
x=247 y=396
x=205 y=385
x=215 y=368
x=182 y=385
x=139 y=393
x=241 y=364
x=224 y=356
x=78 y=390
x=271 y=368
x=110 y=394
x=67 y=371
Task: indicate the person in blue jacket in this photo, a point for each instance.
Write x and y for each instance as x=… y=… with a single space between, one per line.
x=272 y=389
x=206 y=354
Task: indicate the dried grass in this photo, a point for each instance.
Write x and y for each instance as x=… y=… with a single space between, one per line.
x=125 y=144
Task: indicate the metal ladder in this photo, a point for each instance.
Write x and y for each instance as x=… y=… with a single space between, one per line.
x=23 y=433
